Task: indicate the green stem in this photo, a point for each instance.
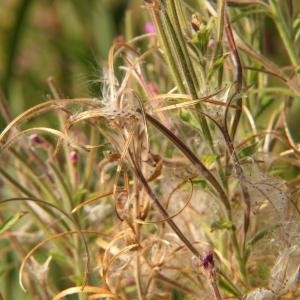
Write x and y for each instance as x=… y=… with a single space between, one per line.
x=218 y=51
x=128 y=25
x=167 y=50
x=62 y=118
x=189 y=73
x=194 y=160
x=284 y=33
x=168 y=38
x=63 y=188
x=182 y=49
x=238 y=256
x=35 y=177
x=90 y=160
x=24 y=191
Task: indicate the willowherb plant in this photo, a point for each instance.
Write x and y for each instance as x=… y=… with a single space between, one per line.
x=176 y=183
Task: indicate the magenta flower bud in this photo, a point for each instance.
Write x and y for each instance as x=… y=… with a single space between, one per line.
x=152 y=87
x=208 y=260
x=73 y=156
x=149 y=27
x=37 y=139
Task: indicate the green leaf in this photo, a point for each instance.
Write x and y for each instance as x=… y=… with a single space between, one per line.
x=221 y=224
x=190 y=119
x=259 y=235
x=217 y=65
x=130 y=289
x=185 y=115
x=77 y=197
x=78 y=279
x=265 y=101
x=248 y=150
x=209 y=159
x=10 y=222
x=200 y=182
x=249 y=12
x=253 y=74
x=279 y=171
x=59 y=258
x=177 y=295
x=255 y=238
x=227 y=287
x=296 y=28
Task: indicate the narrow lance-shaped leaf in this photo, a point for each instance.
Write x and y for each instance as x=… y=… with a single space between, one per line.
x=11 y=221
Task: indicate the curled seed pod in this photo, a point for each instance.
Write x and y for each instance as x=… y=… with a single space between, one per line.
x=157 y=252
x=144 y=210
x=121 y=201
x=260 y=294
x=130 y=238
x=285 y=273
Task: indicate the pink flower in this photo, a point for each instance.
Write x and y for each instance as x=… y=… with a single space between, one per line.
x=208 y=260
x=152 y=87
x=36 y=139
x=149 y=27
x=73 y=156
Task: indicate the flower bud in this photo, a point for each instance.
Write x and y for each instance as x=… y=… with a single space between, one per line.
x=73 y=157
x=208 y=261
x=149 y=27
x=37 y=139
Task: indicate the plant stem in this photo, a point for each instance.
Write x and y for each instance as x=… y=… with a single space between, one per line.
x=61 y=118
x=218 y=51
x=90 y=160
x=195 y=161
x=167 y=50
x=162 y=210
x=178 y=44
x=35 y=177
x=284 y=33
x=179 y=40
x=238 y=256
x=24 y=191
x=211 y=179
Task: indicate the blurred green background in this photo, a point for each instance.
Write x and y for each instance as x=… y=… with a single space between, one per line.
x=67 y=39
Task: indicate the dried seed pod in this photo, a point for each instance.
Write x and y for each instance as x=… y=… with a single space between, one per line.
x=260 y=294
